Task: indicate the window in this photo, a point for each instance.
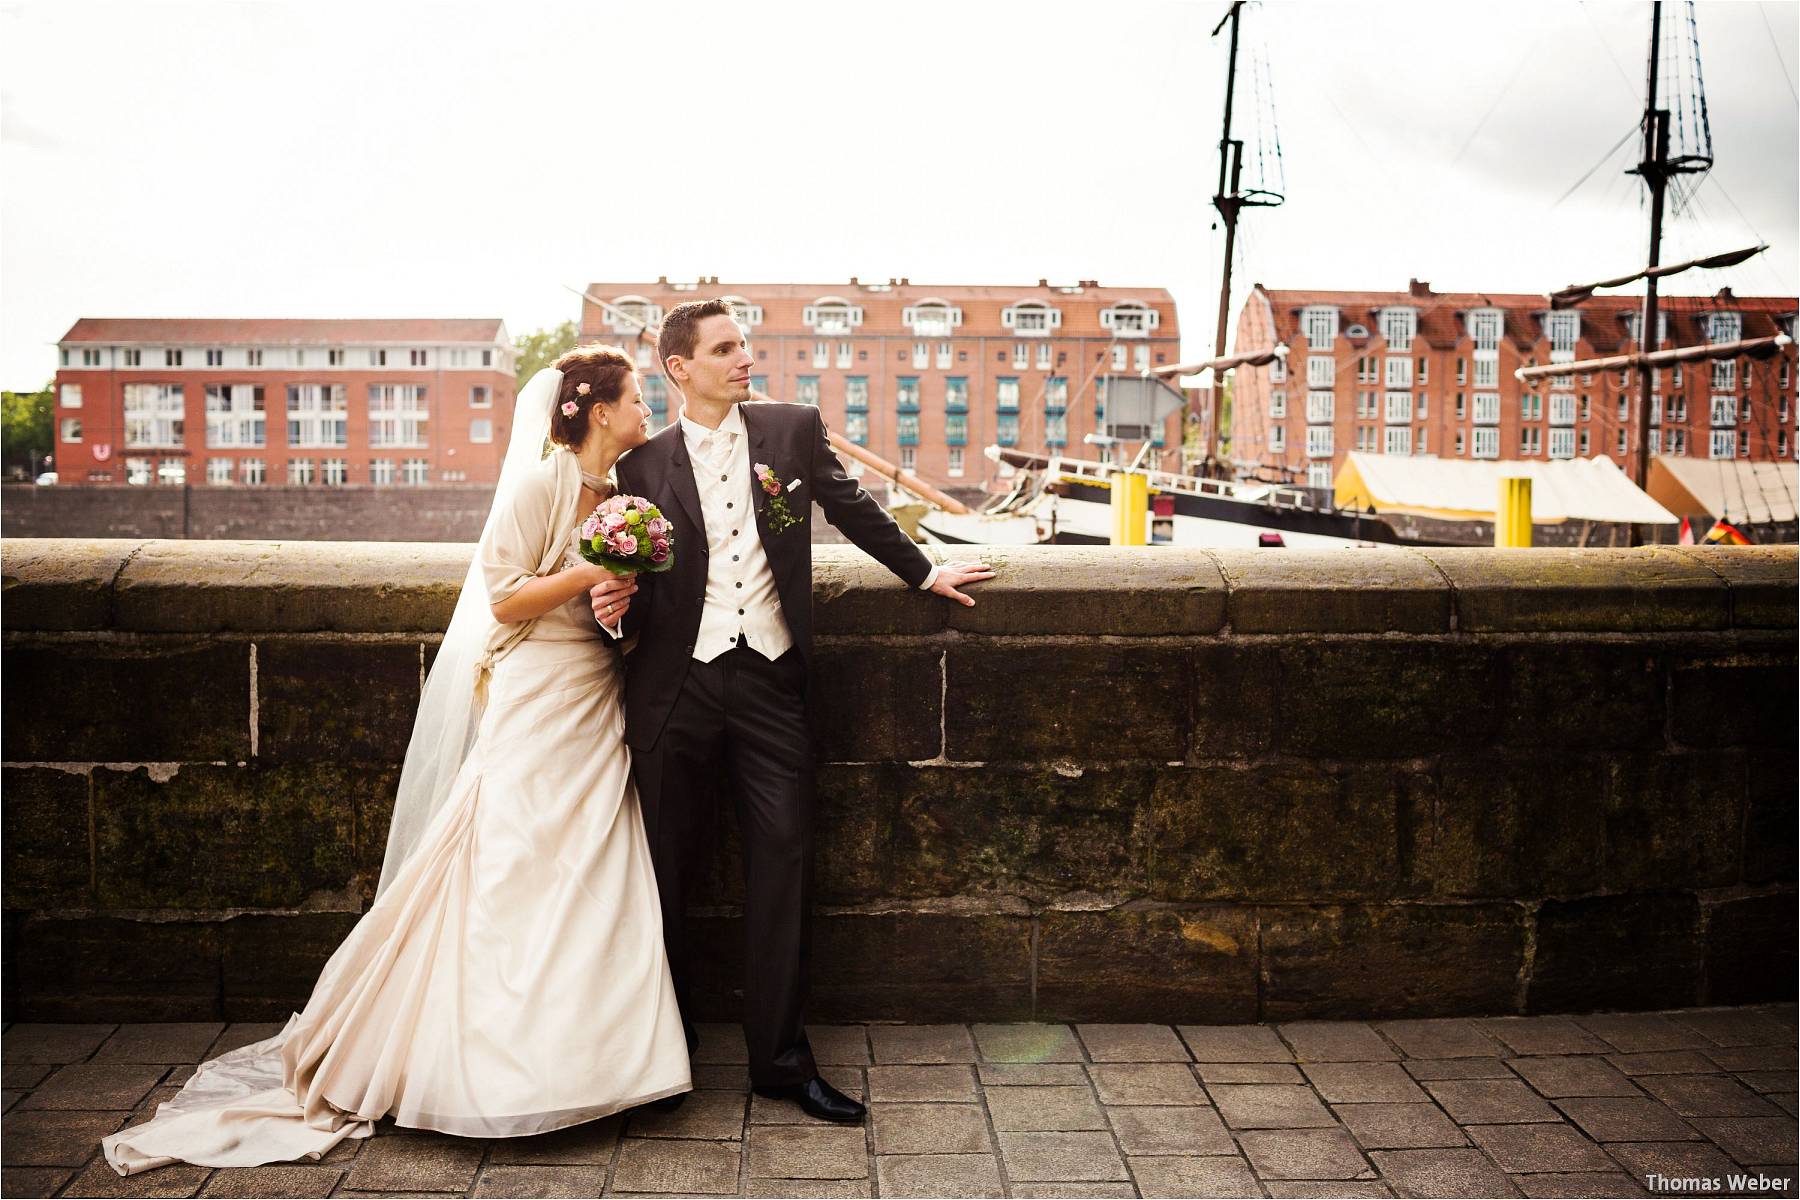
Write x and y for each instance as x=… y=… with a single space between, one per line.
x=234 y=415
x=1399 y=372
x=1399 y=408
x=1320 y=407
x=1368 y=368
x=1043 y=355
x=171 y=472
x=1318 y=441
x=1118 y=358
x=481 y=431
x=921 y=355
x=137 y=472
x=1461 y=410
x=381 y=472
x=1399 y=326
x=806 y=389
x=1031 y=319
x=956 y=429
x=334 y=358
x=1056 y=393
x=656 y=395
x=1459 y=443
x=1278 y=404
x=1584 y=443
x=1724 y=375
x=1562 y=443
x=1621 y=442
x=1320 y=324
x=251 y=471
x=1562 y=409
x=843 y=355
x=71 y=429
x=1424 y=376
x=1724 y=443
x=1424 y=406
x=1462 y=371
x=398 y=415
x=1530 y=440
x=1634 y=324
x=300 y=471
x=830 y=316
x=1531 y=407
x=1321 y=371
x=1056 y=428
x=318 y=415
x=1564 y=331
x=1278 y=371
x=1318 y=475
x=856 y=392
x=218 y=471
x=1022 y=356
x=956 y=394
x=909 y=458
x=1487 y=443
x=253 y=358
x=1399 y=441
x=71 y=395
x=943 y=355
x=1724 y=410
x=1006 y=429
x=215 y=358
x=931 y=319
x=378 y=358
x=1586 y=409
x=1129 y=319
x=856 y=427
x=906 y=393
x=1724 y=327
x=1743 y=444
x=418 y=358
x=632 y=314
x=1484 y=330
x=334 y=472
x=155 y=414
x=821 y=355
x=133 y=358
x=1277 y=439
x=955 y=467
x=1487 y=408
x=415 y=472
x=480 y=397
x=1487 y=372
x=1006 y=394
x=1140 y=356
x=1781 y=447
x=171 y=358
x=1419 y=446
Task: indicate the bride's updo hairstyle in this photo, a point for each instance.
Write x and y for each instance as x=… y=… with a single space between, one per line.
x=591 y=375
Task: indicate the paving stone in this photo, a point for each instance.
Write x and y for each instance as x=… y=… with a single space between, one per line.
x=541 y=1181
x=930 y=1129
x=33 y=1181
x=1304 y=1154
x=1043 y=1109
x=666 y=1165
x=1489 y=1101
x=88 y=1085
x=22 y=1076
x=52 y=1044
x=1060 y=1156
x=1601 y=1185
x=1663 y=1062
x=1573 y=1075
x=764 y=1111
x=949 y=1082
x=54 y=1139
x=1072 y=1191
x=1621 y=1119
x=178 y=1179
x=1027 y=1043
x=1269 y=1106
x=939 y=1175
x=1442 y=1173
x=585 y=1144
x=1767 y=1081
x=1182 y=1129
x=1753 y=1141
x=1344 y=1189
x=720 y=1043
x=1758 y=1058
x=1215 y=1175
x=922 y=1044
x=720 y=1077
x=808 y=1152
x=1146 y=1083
x=795 y=1189
x=1736 y=1027
x=714 y=1116
x=1452 y=1038
x=240 y=1034
x=1364 y=1083
x=839 y=1045
x=159 y=1096
x=1236 y=1072
x=1030 y=1074
x=1787 y=1102
x=1399 y=1126
x=1548 y=1147
x=1638 y=1033
x=1543 y=1035
x=1235 y=1043
x=179 y=1075
x=8 y=1099
x=162 y=1042
x=1132 y=1043
x=427 y=1162
x=1336 y=1041
x=1423 y=1069
x=278 y=1181
x=1672 y=1160
x=1707 y=1096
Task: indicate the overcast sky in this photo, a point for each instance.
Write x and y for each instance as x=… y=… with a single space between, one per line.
x=337 y=159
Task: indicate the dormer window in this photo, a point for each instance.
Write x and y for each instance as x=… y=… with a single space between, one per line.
x=1724 y=327
x=1029 y=318
x=633 y=315
x=749 y=315
x=1320 y=324
x=1564 y=330
x=1399 y=326
x=1635 y=323
x=931 y=318
x=1129 y=318
x=832 y=315
x=1485 y=325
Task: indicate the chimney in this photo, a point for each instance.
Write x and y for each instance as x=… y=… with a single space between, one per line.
x=663 y=280
x=1043 y=283
x=1725 y=293
x=853 y=282
x=1418 y=287
x=905 y=282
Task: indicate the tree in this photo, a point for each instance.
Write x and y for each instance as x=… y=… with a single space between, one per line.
x=538 y=349
x=27 y=425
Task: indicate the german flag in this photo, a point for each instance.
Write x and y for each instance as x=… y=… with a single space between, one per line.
x=1725 y=534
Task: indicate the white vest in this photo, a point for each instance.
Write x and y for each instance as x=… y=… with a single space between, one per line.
x=741 y=599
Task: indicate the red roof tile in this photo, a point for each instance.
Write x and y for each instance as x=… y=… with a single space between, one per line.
x=229 y=331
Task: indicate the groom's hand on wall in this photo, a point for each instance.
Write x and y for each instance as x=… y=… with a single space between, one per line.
x=951 y=576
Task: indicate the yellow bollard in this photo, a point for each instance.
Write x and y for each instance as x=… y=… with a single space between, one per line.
x=1512 y=521
x=1130 y=502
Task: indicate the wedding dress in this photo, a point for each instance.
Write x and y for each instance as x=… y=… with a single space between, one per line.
x=510 y=977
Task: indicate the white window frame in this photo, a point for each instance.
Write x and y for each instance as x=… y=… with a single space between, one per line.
x=1399 y=440
x=1321 y=371
x=821 y=355
x=1563 y=331
x=1319 y=441
x=323 y=415
x=1723 y=444
x=1321 y=407
x=1724 y=327
x=69 y=430
x=1724 y=410
x=1129 y=319
x=1399 y=326
x=954 y=466
x=1562 y=409
x=481 y=431
x=619 y=315
x=1319 y=325
x=241 y=421
x=831 y=315
x=1318 y=475
x=71 y=395
x=1485 y=409
x=155 y=416
x=1399 y=408
x=1031 y=318
x=399 y=416
x=1278 y=439
x=415 y=472
x=1278 y=404
x=1399 y=371
x=931 y=318
x=1486 y=442
x=1562 y=443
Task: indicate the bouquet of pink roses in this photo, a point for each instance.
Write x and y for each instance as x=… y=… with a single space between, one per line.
x=628 y=535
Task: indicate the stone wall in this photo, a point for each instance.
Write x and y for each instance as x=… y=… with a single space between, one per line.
x=1128 y=785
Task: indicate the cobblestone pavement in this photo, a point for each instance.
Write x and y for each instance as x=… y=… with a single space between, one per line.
x=1534 y=1106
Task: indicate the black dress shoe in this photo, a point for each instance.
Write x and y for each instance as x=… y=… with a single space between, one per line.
x=817 y=1099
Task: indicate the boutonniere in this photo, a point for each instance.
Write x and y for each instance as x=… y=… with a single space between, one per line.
x=775 y=508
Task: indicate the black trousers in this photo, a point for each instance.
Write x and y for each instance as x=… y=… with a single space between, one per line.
x=739 y=729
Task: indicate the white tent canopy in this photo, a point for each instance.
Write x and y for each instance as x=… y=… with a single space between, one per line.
x=1579 y=489
x=1736 y=489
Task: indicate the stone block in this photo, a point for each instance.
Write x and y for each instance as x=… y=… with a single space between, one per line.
x=1144 y=591
x=39 y=1046
x=1708 y=1096
x=1626 y=1119
x=853 y=830
x=290 y=587
x=1146 y=1083
x=1674 y=821
x=1270 y=1106
x=1567 y=695
x=920 y=966
x=938 y=1175
x=1322 y=591
x=1771 y=830
x=62 y=584
x=1235 y=1044
x=1254 y=832
x=1753 y=1141
x=1380 y=699
x=839 y=1045
x=1642 y=1033
x=1236 y=704
x=1132 y=1043
x=177 y=1179
x=1449 y=1037
x=805 y=1152
x=715 y=1116
x=930 y=1129
x=1464 y=1172
x=899 y=721
x=1061 y=1156
x=95 y=1085
x=110 y=701
x=1750 y=949
x=1337 y=1041
x=1184 y=1129
x=1543 y=1036
x=1043 y=1109
x=406 y=1160
x=1588 y=590
x=160 y=1042
x=1761 y=579
x=1304 y=1154
x=270 y=962
x=1182 y=965
x=1741 y=697
x=1390 y=961
x=1191 y=1175
x=321 y=701
x=571 y=1181
x=1737 y=1027
x=1515 y=826
x=1630 y=952
x=920 y=1082
x=1363 y=1083
x=1558 y=1076
x=1211 y=1073
x=227 y=836
x=48 y=863
x=1082 y=702
x=92 y=968
x=1400 y=1126
x=1027 y=1042
x=854 y=594
x=1028 y=831
x=1055 y=1074
x=922 y=1044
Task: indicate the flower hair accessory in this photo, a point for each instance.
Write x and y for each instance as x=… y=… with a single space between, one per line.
x=582 y=389
x=570 y=408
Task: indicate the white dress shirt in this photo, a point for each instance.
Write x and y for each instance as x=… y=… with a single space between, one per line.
x=742 y=605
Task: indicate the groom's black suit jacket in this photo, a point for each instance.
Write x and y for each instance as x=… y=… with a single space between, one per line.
x=665 y=613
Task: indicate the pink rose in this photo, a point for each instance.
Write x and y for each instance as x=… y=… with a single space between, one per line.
x=659 y=552
x=625 y=544
x=657 y=527
x=590 y=527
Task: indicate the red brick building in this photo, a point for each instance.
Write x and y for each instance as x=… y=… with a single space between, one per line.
x=927 y=377
x=1424 y=372
x=248 y=402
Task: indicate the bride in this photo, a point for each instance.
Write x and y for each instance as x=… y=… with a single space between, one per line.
x=510 y=977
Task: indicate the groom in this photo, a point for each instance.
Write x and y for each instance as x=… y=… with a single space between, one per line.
x=715 y=692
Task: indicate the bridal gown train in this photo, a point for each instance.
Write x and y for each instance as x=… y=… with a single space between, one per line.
x=511 y=978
